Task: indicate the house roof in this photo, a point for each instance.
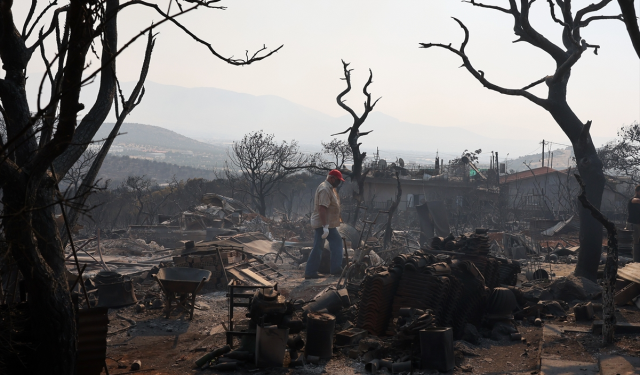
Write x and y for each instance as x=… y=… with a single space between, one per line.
x=535 y=172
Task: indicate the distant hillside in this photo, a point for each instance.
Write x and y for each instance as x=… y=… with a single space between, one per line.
x=207 y=112
x=118 y=168
x=155 y=136
x=559 y=159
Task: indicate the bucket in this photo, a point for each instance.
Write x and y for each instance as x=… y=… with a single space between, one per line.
x=539 y=274
x=331 y=299
x=114 y=290
x=271 y=343
x=436 y=349
x=320 y=327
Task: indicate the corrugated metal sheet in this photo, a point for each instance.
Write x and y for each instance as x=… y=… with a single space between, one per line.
x=92 y=340
x=630 y=272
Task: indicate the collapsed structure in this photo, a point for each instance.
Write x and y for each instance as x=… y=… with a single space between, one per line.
x=405 y=306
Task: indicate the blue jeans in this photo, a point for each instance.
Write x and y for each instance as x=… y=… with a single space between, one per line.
x=335 y=246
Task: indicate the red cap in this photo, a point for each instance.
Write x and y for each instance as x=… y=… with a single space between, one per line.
x=336 y=173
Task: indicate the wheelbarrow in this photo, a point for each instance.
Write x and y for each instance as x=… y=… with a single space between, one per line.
x=181 y=285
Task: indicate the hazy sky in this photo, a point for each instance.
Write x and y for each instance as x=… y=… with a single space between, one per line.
x=416 y=85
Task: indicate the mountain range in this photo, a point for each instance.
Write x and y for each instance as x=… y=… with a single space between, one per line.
x=218 y=116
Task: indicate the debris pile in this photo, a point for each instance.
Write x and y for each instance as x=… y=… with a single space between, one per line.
x=455 y=292
x=474 y=243
x=376 y=293
x=475 y=248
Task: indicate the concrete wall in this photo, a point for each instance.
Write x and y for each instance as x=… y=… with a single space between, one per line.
x=557 y=192
x=384 y=190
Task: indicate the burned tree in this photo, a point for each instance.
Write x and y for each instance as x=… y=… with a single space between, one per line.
x=622 y=156
x=339 y=153
x=263 y=164
x=356 y=175
x=589 y=164
x=388 y=231
x=40 y=146
x=631 y=21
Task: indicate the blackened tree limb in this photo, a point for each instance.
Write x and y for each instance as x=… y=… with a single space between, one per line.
x=610 y=268
x=89 y=179
x=44 y=34
x=526 y=32
x=356 y=175
x=90 y=123
x=536 y=83
x=479 y=75
x=586 y=22
x=631 y=21
x=494 y=7
x=80 y=37
x=230 y=60
x=552 y=7
x=102 y=106
x=32 y=10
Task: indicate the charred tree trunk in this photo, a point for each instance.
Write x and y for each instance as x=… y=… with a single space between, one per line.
x=41 y=261
x=357 y=174
x=631 y=20
x=388 y=232
x=262 y=206
x=590 y=169
x=610 y=269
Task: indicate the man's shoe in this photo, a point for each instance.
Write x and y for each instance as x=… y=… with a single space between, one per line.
x=314 y=276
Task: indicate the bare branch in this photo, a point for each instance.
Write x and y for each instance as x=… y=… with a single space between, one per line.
x=590 y=9
x=577 y=22
x=527 y=33
x=89 y=180
x=248 y=60
x=347 y=77
x=552 y=8
x=52 y=27
x=472 y=2
x=32 y=10
x=344 y=132
x=478 y=74
x=596 y=18
x=527 y=87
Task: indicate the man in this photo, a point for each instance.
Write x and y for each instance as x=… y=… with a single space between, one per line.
x=633 y=208
x=325 y=220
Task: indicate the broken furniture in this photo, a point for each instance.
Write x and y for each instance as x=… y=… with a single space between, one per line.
x=253 y=271
x=181 y=285
x=238 y=290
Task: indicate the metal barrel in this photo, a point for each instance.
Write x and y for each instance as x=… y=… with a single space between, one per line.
x=320 y=328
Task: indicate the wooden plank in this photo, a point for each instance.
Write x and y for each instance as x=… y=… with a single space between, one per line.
x=626 y=294
x=631 y=328
x=237 y=274
x=256 y=277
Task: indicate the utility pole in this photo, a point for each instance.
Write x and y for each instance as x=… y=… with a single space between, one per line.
x=543 y=153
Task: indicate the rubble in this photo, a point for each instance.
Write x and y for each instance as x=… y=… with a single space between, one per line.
x=574 y=288
x=255 y=310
